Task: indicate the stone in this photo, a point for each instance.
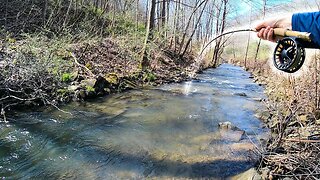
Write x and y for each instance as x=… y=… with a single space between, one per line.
x=228 y=126
x=88 y=82
x=235 y=136
x=317 y=114
x=257 y=99
x=230 y=132
x=80 y=94
x=250 y=174
x=265 y=172
x=73 y=88
x=263 y=115
x=240 y=94
x=101 y=84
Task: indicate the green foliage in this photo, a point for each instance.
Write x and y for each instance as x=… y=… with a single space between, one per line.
x=66 y=77
x=94 y=11
x=124 y=25
x=63 y=91
x=90 y=89
x=38 y=51
x=150 y=77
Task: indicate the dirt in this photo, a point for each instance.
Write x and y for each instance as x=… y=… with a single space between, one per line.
x=117 y=69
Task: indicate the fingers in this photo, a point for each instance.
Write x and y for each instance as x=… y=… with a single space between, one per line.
x=260 y=33
x=270 y=35
x=260 y=26
x=266 y=34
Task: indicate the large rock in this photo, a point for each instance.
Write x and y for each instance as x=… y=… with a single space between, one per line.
x=98 y=85
x=101 y=85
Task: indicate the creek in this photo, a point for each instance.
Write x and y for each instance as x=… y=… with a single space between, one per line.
x=171 y=131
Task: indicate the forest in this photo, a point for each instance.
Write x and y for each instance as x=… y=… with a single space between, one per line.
x=53 y=52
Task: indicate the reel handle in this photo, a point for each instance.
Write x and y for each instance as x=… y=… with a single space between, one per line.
x=288 y=33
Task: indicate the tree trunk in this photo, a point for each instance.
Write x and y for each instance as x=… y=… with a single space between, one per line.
x=247 y=50
x=220 y=30
x=258 y=47
x=149 y=35
x=163 y=17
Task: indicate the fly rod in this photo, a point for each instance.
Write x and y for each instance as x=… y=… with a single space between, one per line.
x=289 y=54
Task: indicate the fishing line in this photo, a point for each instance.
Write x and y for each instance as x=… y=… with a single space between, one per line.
x=223 y=34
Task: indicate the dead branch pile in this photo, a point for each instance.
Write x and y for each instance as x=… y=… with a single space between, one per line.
x=294 y=149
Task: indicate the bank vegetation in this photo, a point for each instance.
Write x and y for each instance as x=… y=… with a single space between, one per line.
x=55 y=51
x=293 y=103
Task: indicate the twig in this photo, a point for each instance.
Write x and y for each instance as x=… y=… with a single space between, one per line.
x=87 y=69
x=295 y=175
x=303 y=140
x=17 y=98
x=59 y=108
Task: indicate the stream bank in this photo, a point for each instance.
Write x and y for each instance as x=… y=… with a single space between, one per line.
x=39 y=71
x=292 y=115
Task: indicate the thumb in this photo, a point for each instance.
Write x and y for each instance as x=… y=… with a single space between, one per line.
x=260 y=26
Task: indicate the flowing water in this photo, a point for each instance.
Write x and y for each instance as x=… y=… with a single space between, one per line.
x=168 y=132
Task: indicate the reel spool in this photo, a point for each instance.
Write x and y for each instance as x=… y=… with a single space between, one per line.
x=289 y=55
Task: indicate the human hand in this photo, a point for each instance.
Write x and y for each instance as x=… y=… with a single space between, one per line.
x=265 y=29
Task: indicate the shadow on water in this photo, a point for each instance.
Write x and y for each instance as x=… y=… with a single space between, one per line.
x=103 y=157
x=171 y=132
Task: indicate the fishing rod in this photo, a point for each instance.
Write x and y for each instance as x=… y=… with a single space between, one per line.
x=289 y=54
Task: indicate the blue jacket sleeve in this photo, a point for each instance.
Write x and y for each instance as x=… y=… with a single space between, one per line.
x=308 y=22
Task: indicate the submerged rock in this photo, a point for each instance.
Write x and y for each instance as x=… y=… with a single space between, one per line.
x=228 y=131
x=250 y=174
x=228 y=126
x=240 y=94
x=257 y=99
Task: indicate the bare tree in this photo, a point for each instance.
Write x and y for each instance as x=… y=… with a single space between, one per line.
x=149 y=35
x=258 y=46
x=220 y=26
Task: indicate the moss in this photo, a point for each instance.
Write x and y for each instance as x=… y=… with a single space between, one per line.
x=89 y=66
x=90 y=89
x=151 y=77
x=112 y=78
x=66 y=77
x=63 y=92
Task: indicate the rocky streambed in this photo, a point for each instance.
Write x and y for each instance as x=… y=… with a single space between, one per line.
x=203 y=128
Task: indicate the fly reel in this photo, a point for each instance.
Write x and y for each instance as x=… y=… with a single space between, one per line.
x=289 y=55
